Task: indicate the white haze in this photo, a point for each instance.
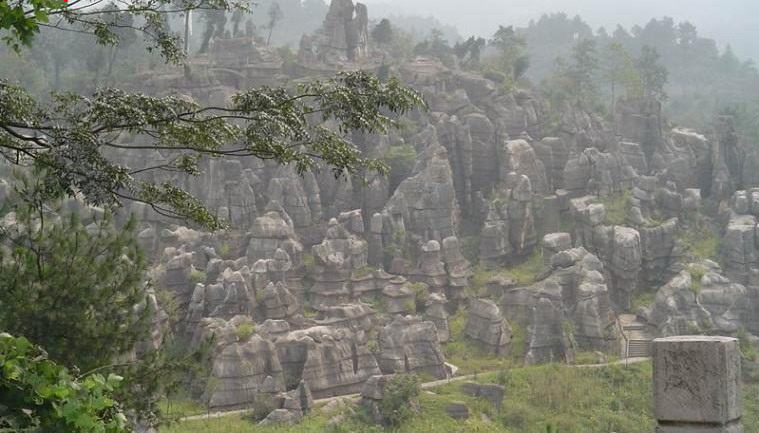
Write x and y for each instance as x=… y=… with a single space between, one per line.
x=728 y=21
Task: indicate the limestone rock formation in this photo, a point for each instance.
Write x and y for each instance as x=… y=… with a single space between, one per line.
x=332 y=361
x=242 y=370
x=344 y=36
x=487 y=327
x=410 y=345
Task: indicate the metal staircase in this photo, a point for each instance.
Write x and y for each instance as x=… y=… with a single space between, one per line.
x=638 y=339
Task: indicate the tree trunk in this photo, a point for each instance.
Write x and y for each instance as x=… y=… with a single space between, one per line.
x=187 y=18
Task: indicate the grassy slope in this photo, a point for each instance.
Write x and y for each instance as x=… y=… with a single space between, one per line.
x=573 y=400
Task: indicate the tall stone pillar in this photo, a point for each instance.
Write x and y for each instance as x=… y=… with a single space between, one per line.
x=697 y=385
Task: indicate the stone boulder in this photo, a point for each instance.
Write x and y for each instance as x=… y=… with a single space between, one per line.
x=487 y=327
x=410 y=345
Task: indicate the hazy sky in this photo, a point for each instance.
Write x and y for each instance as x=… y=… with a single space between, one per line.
x=729 y=21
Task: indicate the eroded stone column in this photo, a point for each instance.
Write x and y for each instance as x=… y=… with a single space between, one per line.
x=697 y=385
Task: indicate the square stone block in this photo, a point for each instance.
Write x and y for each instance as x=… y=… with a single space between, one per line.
x=696 y=380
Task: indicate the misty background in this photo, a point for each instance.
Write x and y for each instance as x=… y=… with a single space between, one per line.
x=731 y=22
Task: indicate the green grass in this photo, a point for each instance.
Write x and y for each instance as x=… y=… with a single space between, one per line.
x=309 y=261
x=574 y=400
x=243 y=424
x=180 y=407
x=696 y=273
x=701 y=240
x=469 y=358
x=643 y=299
x=197 y=276
x=617 y=207
x=525 y=273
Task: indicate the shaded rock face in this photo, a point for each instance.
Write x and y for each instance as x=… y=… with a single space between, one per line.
x=640 y=121
x=547 y=340
x=410 y=345
x=487 y=327
x=332 y=361
x=509 y=230
x=570 y=305
x=436 y=313
x=287 y=189
x=229 y=297
x=702 y=300
x=242 y=371
x=427 y=200
x=739 y=245
x=598 y=173
x=619 y=248
x=338 y=258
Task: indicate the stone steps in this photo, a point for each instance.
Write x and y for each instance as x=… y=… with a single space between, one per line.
x=638 y=348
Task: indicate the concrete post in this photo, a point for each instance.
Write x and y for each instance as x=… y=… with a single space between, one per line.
x=697 y=385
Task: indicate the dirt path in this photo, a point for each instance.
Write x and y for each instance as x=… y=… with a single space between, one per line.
x=426 y=385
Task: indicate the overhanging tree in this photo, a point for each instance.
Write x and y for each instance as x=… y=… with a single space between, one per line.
x=73 y=136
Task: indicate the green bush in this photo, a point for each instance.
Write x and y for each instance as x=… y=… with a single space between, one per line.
x=197 y=276
x=401 y=159
x=401 y=391
x=617 y=207
x=245 y=330
x=37 y=395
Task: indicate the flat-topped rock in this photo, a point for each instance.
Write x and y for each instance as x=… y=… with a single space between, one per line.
x=696 y=381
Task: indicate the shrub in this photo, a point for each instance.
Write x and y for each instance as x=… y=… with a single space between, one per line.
x=401 y=159
x=38 y=395
x=617 y=207
x=401 y=393
x=421 y=294
x=197 y=276
x=245 y=330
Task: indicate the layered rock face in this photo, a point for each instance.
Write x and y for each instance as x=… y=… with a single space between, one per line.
x=488 y=328
x=242 y=370
x=427 y=200
x=332 y=361
x=702 y=300
x=409 y=345
x=740 y=242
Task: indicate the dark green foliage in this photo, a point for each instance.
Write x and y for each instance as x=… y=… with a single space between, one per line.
x=22 y=21
x=216 y=20
x=70 y=282
x=39 y=396
x=653 y=75
x=275 y=15
x=382 y=33
x=435 y=46
x=512 y=58
x=401 y=391
x=73 y=281
x=401 y=159
x=469 y=51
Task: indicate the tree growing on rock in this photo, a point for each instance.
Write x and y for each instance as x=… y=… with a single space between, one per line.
x=469 y=51
x=512 y=57
x=275 y=16
x=653 y=75
x=382 y=33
